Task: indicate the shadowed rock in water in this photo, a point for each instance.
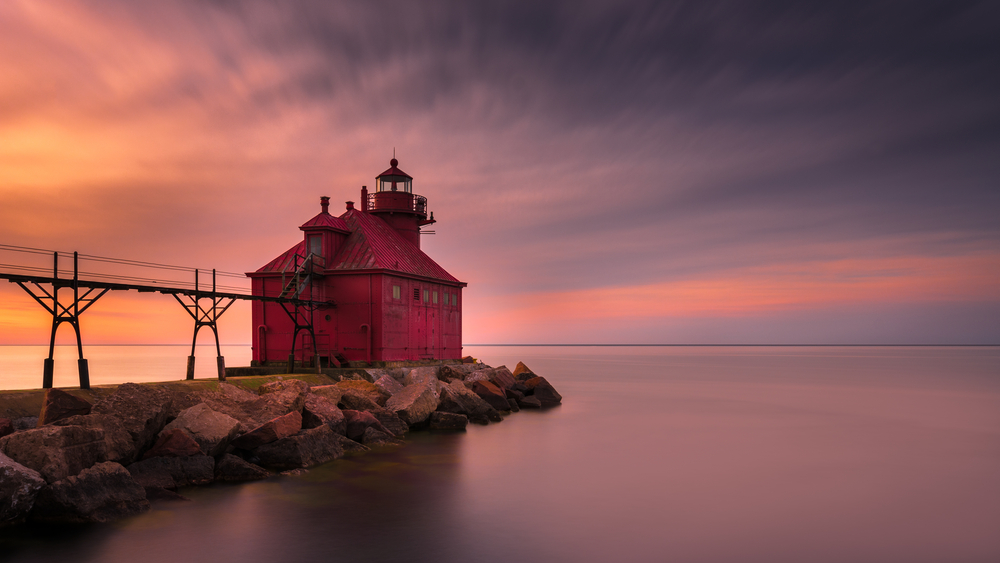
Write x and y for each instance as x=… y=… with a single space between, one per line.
x=173 y=472
x=414 y=404
x=542 y=390
x=102 y=493
x=59 y=404
x=319 y=411
x=491 y=394
x=448 y=421
x=234 y=469
x=305 y=449
x=459 y=399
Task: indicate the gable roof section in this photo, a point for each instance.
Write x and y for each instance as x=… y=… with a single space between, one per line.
x=325 y=220
x=371 y=245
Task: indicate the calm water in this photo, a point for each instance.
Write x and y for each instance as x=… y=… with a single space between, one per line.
x=657 y=454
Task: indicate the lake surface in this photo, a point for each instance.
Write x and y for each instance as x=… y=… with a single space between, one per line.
x=701 y=454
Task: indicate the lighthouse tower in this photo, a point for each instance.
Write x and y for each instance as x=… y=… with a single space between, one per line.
x=395 y=203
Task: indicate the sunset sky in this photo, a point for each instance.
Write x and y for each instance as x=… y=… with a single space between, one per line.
x=601 y=172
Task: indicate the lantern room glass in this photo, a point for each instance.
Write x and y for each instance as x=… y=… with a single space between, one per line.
x=395 y=184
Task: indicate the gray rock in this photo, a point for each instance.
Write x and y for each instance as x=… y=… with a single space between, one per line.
x=19 y=485
x=415 y=403
x=360 y=421
x=212 y=430
x=503 y=378
x=143 y=410
x=351 y=400
x=392 y=423
x=448 y=421
x=331 y=393
x=424 y=374
x=365 y=389
x=234 y=469
x=459 y=399
x=173 y=472
x=512 y=404
x=118 y=443
x=484 y=374
x=56 y=452
x=305 y=449
x=319 y=411
x=25 y=423
x=102 y=493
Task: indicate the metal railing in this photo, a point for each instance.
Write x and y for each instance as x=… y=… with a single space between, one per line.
x=418 y=203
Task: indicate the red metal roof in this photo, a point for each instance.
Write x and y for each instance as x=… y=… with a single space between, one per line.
x=393 y=171
x=372 y=245
x=324 y=219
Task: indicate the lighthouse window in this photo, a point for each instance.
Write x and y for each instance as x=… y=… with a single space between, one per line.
x=454 y=299
x=435 y=297
x=426 y=295
x=395 y=292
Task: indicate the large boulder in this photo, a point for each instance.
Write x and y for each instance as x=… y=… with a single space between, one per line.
x=102 y=493
x=414 y=404
x=483 y=374
x=356 y=402
x=279 y=398
x=59 y=404
x=175 y=442
x=542 y=390
x=234 y=469
x=529 y=402
x=235 y=402
x=56 y=452
x=360 y=421
x=212 y=430
x=143 y=410
x=117 y=441
x=271 y=431
x=173 y=472
x=391 y=421
x=451 y=373
x=331 y=393
x=448 y=421
x=503 y=378
x=319 y=411
x=369 y=390
x=389 y=385
x=491 y=394
x=459 y=399
x=19 y=485
x=305 y=449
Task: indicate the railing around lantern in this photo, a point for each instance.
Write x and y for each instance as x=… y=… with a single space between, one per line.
x=417 y=204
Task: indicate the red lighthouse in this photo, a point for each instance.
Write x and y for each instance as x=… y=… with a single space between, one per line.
x=384 y=298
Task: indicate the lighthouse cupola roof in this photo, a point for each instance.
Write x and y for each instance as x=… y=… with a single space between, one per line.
x=394 y=179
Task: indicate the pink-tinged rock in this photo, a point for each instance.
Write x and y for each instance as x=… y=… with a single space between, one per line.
x=305 y=449
x=390 y=421
x=117 y=441
x=542 y=390
x=451 y=373
x=423 y=374
x=143 y=410
x=59 y=404
x=529 y=402
x=174 y=442
x=19 y=485
x=297 y=385
x=56 y=452
x=502 y=378
x=491 y=394
x=359 y=421
x=319 y=411
x=271 y=431
x=351 y=400
x=102 y=493
x=415 y=403
x=483 y=374
x=388 y=384
x=468 y=360
x=212 y=430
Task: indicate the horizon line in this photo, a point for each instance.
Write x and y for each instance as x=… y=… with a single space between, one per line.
x=554 y=345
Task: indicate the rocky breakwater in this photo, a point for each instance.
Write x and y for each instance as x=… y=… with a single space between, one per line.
x=99 y=462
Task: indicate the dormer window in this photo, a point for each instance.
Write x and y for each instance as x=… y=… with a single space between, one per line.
x=316 y=245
